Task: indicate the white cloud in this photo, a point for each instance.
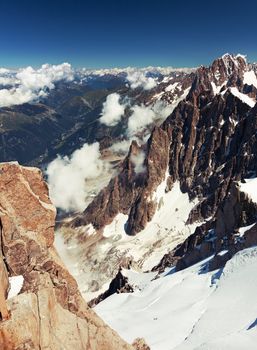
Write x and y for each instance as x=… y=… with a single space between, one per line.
x=162 y=109
x=121 y=146
x=4 y=70
x=67 y=176
x=143 y=116
x=138 y=162
x=139 y=79
x=145 y=70
x=112 y=110
x=29 y=84
x=9 y=97
x=45 y=77
x=7 y=79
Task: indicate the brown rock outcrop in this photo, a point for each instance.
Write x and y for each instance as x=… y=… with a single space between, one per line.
x=49 y=312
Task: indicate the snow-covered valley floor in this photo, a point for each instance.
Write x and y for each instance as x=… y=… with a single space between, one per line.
x=191 y=309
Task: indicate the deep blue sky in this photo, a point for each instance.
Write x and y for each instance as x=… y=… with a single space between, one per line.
x=121 y=33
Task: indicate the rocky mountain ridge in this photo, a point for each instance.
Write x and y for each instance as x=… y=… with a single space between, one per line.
x=207 y=145
x=196 y=142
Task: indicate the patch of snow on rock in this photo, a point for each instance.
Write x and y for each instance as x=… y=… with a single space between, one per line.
x=16 y=283
x=250 y=78
x=250 y=188
x=244 y=98
x=171 y=87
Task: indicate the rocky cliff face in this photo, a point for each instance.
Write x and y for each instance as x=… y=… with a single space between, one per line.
x=130 y=192
x=208 y=133
x=207 y=145
x=48 y=312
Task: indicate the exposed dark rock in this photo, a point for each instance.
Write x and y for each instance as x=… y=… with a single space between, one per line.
x=119 y=284
x=129 y=192
x=168 y=260
x=209 y=143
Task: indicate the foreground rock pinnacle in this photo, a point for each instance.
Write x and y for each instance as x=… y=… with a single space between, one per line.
x=48 y=313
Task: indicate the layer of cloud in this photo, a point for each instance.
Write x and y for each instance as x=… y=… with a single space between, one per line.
x=128 y=70
x=67 y=177
x=142 y=116
x=112 y=110
x=140 y=79
x=29 y=84
x=4 y=71
x=121 y=146
x=7 y=77
x=138 y=162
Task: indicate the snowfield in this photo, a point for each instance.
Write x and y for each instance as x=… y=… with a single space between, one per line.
x=250 y=78
x=243 y=97
x=100 y=260
x=250 y=188
x=191 y=309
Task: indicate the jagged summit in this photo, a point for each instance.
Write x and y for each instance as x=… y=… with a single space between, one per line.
x=229 y=73
x=233 y=57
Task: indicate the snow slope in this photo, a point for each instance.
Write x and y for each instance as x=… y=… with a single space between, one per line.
x=192 y=309
x=243 y=97
x=167 y=225
x=250 y=188
x=250 y=78
x=98 y=258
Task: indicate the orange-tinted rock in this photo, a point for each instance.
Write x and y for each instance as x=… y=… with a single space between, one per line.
x=49 y=313
x=140 y=344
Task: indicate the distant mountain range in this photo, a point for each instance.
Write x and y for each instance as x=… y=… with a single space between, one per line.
x=67 y=115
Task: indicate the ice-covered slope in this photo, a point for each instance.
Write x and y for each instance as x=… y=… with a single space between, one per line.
x=167 y=229
x=193 y=308
x=250 y=188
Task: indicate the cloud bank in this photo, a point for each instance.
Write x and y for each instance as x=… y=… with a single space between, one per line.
x=67 y=177
x=112 y=110
x=139 y=79
x=29 y=84
x=138 y=162
x=121 y=146
x=142 y=116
